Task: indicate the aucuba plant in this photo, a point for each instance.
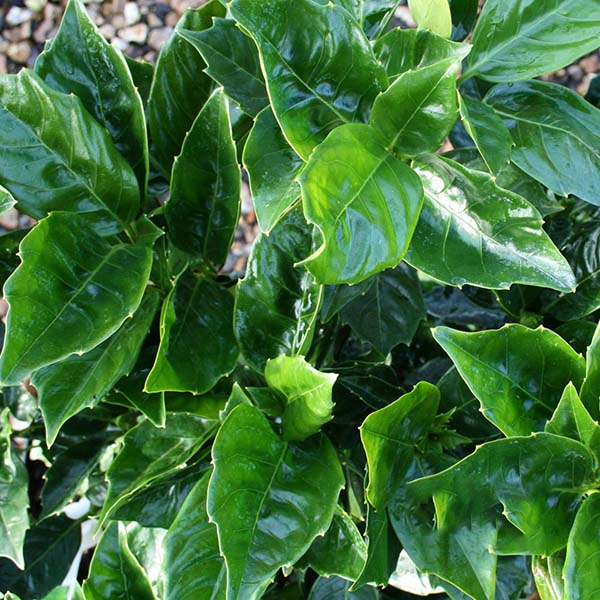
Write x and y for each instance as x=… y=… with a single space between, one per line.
x=398 y=397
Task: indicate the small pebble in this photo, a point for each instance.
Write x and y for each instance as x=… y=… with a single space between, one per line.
x=108 y=31
x=136 y=34
x=171 y=19
x=19 y=52
x=36 y=5
x=158 y=37
x=118 y=21
x=575 y=72
x=119 y=44
x=591 y=63
x=10 y=219
x=153 y=20
x=17 y=15
x=42 y=31
x=131 y=12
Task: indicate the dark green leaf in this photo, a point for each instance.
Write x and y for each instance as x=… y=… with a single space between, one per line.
x=515 y=40
x=500 y=500
x=556 y=135
x=319 y=67
x=383 y=549
x=80 y=61
x=402 y=50
x=55 y=156
x=50 y=548
x=193 y=567
x=471 y=231
x=388 y=313
x=142 y=73
x=433 y=15
x=417 y=112
x=590 y=390
x=341 y=551
x=204 y=205
x=233 y=62
x=390 y=436
x=364 y=201
x=307 y=393
x=71 y=292
x=149 y=453
x=197 y=344
x=336 y=588
x=517 y=374
x=488 y=131
x=9 y=246
x=115 y=572
x=82 y=380
x=464 y=14
x=268 y=498
x=179 y=89
x=277 y=303
x=272 y=167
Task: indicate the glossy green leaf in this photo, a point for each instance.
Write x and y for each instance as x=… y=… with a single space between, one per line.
x=197 y=344
x=464 y=14
x=193 y=567
x=80 y=61
x=179 y=89
x=65 y=593
x=583 y=552
x=572 y=420
x=268 y=498
x=307 y=393
x=115 y=572
x=402 y=50
x=389 y=437
x=158 y=503
x=417 y=112
x=512 y=38
x=556 y=135
x=71 y=292
x=533 y=517
x=364 y=201
x=517 y=374
x=82 y=380
x=373 y=15
x=142 y=73
x=320 y=69
x=50 y=548
x=232 y=62
x=389 y=311
x=336 y=588
x=272 y=167
x=383 y=549
x=590 y=390
x=547 y=572
x=204 y=204
x=55 y=156
x=488 y=131
x=471 y=231
x=433 y=15
x=67 y=473
x=6 y=200
x=277 y=303
x=341 y=551
x=14 y=504
x=149 y=453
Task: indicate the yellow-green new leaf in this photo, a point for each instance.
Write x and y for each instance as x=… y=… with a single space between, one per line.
x=307 y=393
x=433 y=15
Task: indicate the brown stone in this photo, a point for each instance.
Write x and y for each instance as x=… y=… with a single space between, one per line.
x=158 y=37
x=136 y=34
x=590 y=64
x=19 y=52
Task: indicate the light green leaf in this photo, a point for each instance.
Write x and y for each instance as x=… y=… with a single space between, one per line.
x=79 y=60
x=417 y=112
x=197 y=344
x=319 y=67
x=81 y=381
x=390 y=436
x=307 y=393
x=488 y=131
x=72 y=291
x=590 y=390
x=277 y=303
x=433 y=15
x=179 y=88
x=232 y=62
x=402 y=50
x=149 y=452
x=556 y=135
x=548 y=576
x=268 y=498
x=365 y=202
x=471 y=231
x=517 y=374
x=204 y=203
x=515 y=40
x=272 y=167
x=6 y=200
x=193 y=567
x=55 y=156
x=115 y=572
